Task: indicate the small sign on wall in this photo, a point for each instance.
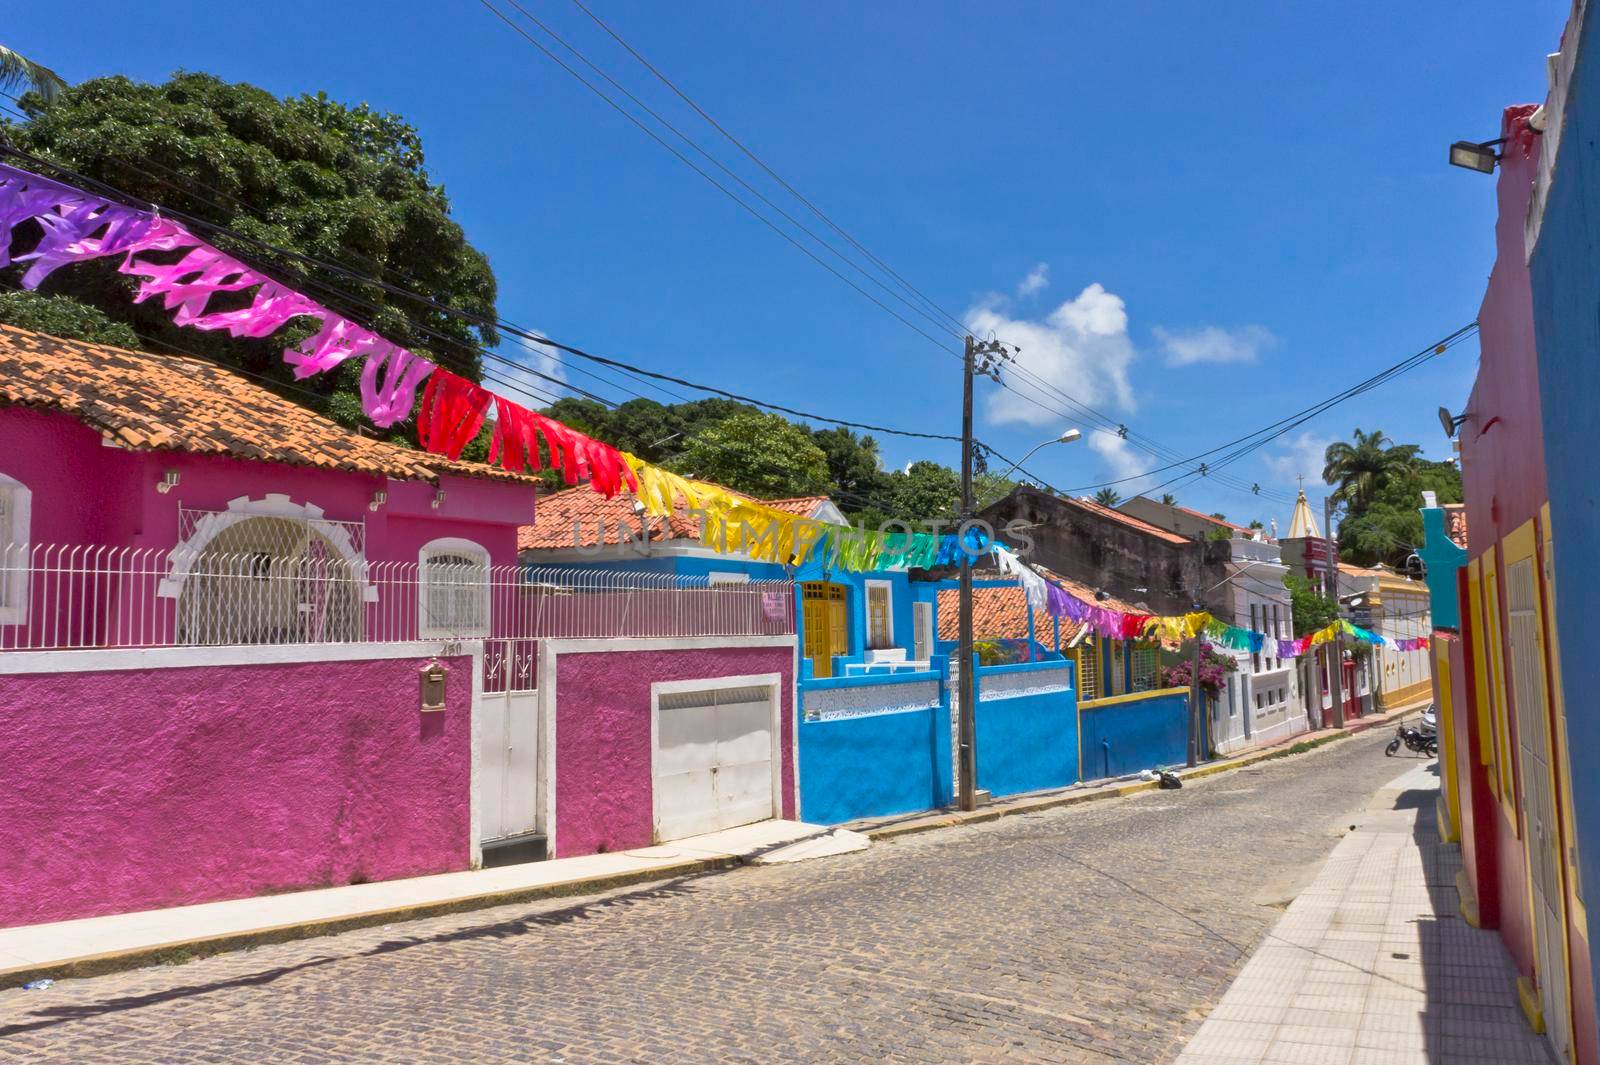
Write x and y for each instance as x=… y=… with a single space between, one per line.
x=433 y=677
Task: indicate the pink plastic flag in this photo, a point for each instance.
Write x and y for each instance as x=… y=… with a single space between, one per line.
x=391 y=400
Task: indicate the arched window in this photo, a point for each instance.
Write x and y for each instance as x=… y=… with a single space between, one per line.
x=16 y=503
x=269 y=580
x=452 y=589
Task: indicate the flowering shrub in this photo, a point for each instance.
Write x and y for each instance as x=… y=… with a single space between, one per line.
x=1214 y=670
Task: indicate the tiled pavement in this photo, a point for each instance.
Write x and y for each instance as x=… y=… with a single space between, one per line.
x=1090 y=934
x=1372 y=965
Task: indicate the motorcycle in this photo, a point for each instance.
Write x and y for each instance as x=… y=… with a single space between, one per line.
x=1424 y=740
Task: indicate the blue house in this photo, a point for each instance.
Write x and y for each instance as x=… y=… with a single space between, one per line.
x=580 y=528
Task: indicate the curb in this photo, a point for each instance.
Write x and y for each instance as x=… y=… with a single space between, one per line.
x=180 y=951
x=1282 y=749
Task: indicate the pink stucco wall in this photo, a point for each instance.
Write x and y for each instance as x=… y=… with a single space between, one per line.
x=87 y=493
x=138 y=789
x=603 y=781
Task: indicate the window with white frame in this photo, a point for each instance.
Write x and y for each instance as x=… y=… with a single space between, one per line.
x=15 y=518
x=453 y=589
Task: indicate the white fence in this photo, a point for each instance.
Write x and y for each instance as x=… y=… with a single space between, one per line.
x=57 y=596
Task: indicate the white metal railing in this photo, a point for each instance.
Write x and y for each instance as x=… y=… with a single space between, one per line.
x=55 y=596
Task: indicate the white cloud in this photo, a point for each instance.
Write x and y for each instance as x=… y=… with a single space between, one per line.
x=1299 y=456
x=1213 y=344
x=1081 y=349
x=1036 y=280
x=530 y=389
x=1121 y=459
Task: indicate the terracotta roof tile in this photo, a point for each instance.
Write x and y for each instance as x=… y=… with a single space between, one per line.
x=555 y=514
x=801 y=505
x=1003 y=612
x=1126 y=519
x=172 y=403
x=1455 y=523
x=1213 y=519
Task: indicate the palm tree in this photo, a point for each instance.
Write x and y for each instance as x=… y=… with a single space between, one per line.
x=18 y=72
x=1107 y=497
x=1168 y=499
x=1361 y=468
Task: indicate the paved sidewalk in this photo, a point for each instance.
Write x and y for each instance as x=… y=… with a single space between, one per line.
x=1372 y=965
x=100 y=944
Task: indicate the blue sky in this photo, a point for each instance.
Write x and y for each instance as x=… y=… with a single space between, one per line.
x=1195 y=217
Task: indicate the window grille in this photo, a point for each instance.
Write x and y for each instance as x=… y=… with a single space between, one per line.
x=1087 y=656
x=1146 y=669
x=454 y=590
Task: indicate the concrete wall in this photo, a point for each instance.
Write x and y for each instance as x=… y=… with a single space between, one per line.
x=1027 y=726
x=1129 y=733
x=598 y=760
x=868 y=749
x=159 y=785
x=1563 y=266
x=1104 y=553
x=1503 y=477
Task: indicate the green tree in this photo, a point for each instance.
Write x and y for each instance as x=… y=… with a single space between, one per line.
x=923 y=491
x=1311 y=609
x=1360 y=468
x=1387 y=527
x=309 y=174
x=766 y=455
x=1168 y=499
x=855 y=470
x=63 y=317
x=17 y=71
x=1108 y=497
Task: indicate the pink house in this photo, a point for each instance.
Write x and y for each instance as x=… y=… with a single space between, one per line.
x=246 y=650
x=176 y=517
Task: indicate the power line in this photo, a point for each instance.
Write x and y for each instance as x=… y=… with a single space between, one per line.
x=720 y=165
x=188 y=191
x=959 y=325
x=763 y=219
x=1260 y=437
x=213 y=228
x=812 y=207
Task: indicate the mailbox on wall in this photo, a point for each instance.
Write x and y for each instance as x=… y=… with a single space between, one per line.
x=433 y=677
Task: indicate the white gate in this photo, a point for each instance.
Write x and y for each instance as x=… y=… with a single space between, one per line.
x=715 y=755
x=1538 y=801
x=508 y=750
x=922 y=631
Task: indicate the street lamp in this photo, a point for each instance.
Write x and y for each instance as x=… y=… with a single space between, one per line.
x=1067 y=436
x=1480 y=157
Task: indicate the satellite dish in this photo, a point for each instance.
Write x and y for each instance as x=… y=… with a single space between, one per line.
x=1447 y=422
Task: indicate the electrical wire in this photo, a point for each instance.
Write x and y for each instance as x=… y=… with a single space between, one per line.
x=214 y=228
x=1260 y=437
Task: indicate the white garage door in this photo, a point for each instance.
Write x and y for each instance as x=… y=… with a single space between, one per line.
x=713 y=760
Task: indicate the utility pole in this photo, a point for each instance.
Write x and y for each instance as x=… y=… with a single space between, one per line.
x=1196 y=717
x=968 y=727
x=1335 y=649
x=978 y=357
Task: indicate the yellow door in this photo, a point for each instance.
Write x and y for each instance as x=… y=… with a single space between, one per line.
x=823 y=606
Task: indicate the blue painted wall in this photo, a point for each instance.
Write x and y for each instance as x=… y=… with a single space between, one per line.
x=1027 y=742
x=1443 y=558
x=877 y=765
x=1126 y=737
x=1563 y=269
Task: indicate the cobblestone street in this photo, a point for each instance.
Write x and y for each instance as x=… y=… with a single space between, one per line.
x=1099 y=933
